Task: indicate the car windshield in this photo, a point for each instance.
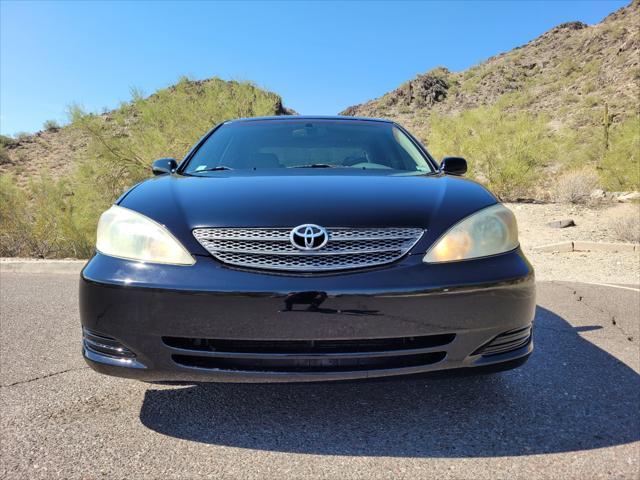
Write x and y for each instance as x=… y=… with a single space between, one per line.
x=269 y=144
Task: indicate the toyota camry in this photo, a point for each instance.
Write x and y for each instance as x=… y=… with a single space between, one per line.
x=295 y=248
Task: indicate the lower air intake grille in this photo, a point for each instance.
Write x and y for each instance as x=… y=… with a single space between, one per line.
x=271 y=248
x=309 y=365
x=505 y=342
x=308 y=355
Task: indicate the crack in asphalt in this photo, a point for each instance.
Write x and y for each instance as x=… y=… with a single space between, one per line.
x=22 y=382
x=612 y=318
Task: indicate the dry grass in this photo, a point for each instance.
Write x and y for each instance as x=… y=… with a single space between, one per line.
x=575 y=186
x=627 y=228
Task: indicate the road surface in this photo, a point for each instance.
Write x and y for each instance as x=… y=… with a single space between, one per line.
x=573 y=411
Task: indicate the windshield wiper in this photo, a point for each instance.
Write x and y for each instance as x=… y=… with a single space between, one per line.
x=214 y=169
x=315 y=165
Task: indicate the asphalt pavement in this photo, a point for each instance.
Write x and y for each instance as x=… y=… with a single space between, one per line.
x=572 y=411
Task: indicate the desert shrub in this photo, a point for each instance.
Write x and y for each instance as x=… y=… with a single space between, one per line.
x=621 y=163
x=627 y=228
x=575 y=186
x=55 y=228
x=4 y=156
x=578 y=148
x=592 y=101
x=588 y=87
x=15 y=231
x=505 y=151
x=6 y=141
x=21 y=137
x=39 y=221
x=570 y=98
x=517 y=100
x=441 y=73
x=51 y=126
x=509 y=151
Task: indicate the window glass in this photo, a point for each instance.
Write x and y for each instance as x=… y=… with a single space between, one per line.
x=269 y=144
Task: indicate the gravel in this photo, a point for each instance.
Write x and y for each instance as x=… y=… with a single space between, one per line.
x=593 y=224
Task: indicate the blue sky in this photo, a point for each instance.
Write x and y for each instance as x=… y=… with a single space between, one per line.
x=320 y=56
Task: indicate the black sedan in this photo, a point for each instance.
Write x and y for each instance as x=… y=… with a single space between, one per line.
x=303 y=249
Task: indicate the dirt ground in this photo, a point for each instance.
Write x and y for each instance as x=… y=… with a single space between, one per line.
x=592 y=224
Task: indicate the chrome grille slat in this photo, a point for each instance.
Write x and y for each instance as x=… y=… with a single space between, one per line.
x=271 y=249
x=369 y=234
x=242 y=233
x=308 y=263
x=285 y=248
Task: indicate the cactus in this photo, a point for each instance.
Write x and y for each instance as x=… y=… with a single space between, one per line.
x=607 y=120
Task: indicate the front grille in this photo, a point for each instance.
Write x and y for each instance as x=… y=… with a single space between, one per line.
x=271 y=248
x=309 y=365
x=505 y=342
x=309 y=346
x=308 y=355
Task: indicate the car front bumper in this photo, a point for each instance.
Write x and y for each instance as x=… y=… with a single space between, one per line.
x=210 y=323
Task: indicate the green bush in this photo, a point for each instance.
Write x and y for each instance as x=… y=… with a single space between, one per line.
x=51 y=126
x=21 y=137
x=6 y=141
x=509 y=151
x=4 y=156
x=505 y=151
x=56 y=227
x=40 y=222
x=15 y=230
x=621 y=162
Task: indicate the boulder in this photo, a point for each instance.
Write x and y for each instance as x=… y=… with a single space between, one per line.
x=562 y=223
x=629 y=197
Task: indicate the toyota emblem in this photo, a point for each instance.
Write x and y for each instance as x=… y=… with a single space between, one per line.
x=309 y=237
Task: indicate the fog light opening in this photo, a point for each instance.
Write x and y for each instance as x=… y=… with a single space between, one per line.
x=506 y=342
x=104 y=345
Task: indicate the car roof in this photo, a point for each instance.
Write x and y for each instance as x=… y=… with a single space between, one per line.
x=310 y=117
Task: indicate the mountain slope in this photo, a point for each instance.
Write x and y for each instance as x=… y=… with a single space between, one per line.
x=568 y=73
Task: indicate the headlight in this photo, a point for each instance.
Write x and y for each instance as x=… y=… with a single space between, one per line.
x=490 y=231
x=127 y=234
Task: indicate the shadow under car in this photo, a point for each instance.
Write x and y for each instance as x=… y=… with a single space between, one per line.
x=570 y=396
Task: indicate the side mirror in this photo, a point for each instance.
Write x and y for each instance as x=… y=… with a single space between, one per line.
x=453 y=165
x=164 y=165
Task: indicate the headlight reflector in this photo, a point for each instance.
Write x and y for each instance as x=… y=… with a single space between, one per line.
x=488 y=232
x=127 y=234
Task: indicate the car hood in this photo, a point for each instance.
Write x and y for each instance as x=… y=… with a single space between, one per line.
x=327 y=198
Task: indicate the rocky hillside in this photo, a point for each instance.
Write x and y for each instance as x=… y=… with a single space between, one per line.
x=48 y=150
x=569 y=74
x=57 y=151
